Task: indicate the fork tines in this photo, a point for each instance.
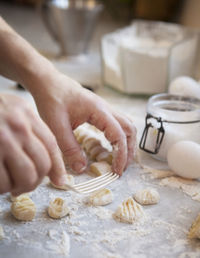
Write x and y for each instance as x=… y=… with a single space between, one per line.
x=96 y=183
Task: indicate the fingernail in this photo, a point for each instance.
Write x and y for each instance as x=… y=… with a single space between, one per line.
x=78 y=167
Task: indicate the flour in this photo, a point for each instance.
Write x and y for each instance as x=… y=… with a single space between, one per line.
x=61 y=244
x=157 y=173
x=133 y=55
x=190 y=187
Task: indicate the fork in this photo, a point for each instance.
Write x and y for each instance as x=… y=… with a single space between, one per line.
x=93 y=184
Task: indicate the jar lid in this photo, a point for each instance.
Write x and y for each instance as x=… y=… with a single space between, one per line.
x=174 y=108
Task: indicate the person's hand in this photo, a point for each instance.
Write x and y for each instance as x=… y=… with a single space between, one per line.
x=64 y=105
x=28 y=151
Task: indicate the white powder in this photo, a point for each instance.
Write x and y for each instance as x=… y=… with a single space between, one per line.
x=190 y=187
x=157 y=173
x=132 y=56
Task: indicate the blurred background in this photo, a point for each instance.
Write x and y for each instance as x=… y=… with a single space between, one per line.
x=69 y=32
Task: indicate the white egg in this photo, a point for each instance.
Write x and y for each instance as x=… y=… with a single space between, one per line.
x=184 y=159
x=185 y=86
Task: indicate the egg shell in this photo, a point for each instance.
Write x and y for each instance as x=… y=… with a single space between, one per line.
x=185 y=86
x=184 y=159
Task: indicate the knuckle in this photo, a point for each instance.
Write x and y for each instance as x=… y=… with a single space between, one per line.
x=71 y=151
x=130 y=129
x=18 y=123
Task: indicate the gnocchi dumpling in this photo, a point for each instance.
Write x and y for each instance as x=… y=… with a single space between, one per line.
x=80 y=135
x=129 y=211
x=14 y=198
x=23 y=208
x=147 y=196
x=1 y=233
x=58 y=208
x=101 y=197
x=100 y=168
x=105 y=156
x=90 y=143
x=194 y=231
x=69 y=180
x=94 y=152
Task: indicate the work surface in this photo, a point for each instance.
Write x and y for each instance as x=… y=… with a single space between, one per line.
x=92 y=231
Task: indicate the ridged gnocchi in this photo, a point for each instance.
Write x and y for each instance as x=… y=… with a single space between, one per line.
x=194 y=231
x=80 y=135
x=58 y=208
x=69 y=180
x=100 y=168
x=90 y=143
x=101 y=197
x=129 y=211
x=14 y=198
x=105 y=156
x=23 y=208
x=95 y=151
x=147 y=196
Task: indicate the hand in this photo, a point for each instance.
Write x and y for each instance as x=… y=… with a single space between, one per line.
x=28 y=149
x=64 y=105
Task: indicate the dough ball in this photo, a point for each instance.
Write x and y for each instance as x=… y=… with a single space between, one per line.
x=58 y=208
x=100 y=168
x=147 y=196
x=101 y=197
x=129 y=211
x=23 y=208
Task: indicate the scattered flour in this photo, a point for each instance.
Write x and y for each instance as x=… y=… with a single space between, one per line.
x=61 y=244
x=157 y=173
x=190 y=187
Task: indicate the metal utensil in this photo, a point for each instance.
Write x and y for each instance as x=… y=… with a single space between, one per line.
x=71 y=23
x=94 y=184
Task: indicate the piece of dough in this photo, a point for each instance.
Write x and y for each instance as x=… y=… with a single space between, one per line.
x=94 y=152
x=100 y=168
x=23 y=208
x=129 y=211
x=58 y=208
x=101 y=197
x=69 y=180
x=105 y=156
x=147 y=196
x=2 y=235
x=14 y=198
x=80 y=135
x=90 y=143
x=194 y=231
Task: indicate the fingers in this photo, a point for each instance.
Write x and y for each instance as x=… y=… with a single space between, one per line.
x=70 y=148
x=39 y=155
x=5 y=181
x=21 y=169
x=41 y=130
x=130 y=131
x=110 y=126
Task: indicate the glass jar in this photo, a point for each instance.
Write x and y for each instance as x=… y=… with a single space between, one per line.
x=170 y=118
x=133 y=55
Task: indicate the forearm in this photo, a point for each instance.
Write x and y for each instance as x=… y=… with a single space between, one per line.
x=19 y=61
